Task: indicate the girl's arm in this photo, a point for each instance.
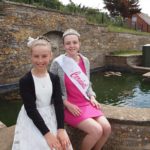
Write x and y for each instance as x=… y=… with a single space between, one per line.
x=59 y=109
x=90 y=91
x=74 y=109
x=58 y=102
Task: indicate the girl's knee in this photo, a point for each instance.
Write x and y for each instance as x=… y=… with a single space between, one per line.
x=98 y=131
x=107 y=129
x=105 y=125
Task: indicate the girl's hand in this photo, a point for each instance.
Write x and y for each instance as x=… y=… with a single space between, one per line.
x=75 y=110
x=94 y=102
x=63 y=138
x=52 y=141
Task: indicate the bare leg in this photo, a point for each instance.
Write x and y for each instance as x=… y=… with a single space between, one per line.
x=106 y=132
x=94 y=132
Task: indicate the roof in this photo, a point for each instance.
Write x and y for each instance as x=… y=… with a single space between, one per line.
x=145 y=17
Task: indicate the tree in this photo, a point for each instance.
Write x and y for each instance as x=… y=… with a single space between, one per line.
x=54 y=4
x=124 y=8
x=75 y=8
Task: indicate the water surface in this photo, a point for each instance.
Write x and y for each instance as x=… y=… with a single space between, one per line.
x=9 y=111
x=126 y=90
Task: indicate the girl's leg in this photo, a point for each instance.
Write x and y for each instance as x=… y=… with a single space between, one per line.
x=94 y=132
x=106 y=132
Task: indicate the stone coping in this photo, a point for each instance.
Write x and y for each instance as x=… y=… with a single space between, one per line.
x=123 y=114
x=2 y=125
x=6 y=138
x=8 y=87
x=127 y=115
x=130 y=115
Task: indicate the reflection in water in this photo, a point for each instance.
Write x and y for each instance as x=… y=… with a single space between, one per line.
x=125 y=90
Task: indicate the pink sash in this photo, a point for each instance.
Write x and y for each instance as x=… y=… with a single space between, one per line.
x=74 y=73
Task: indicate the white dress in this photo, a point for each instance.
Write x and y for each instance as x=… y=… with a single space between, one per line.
x=27 y=136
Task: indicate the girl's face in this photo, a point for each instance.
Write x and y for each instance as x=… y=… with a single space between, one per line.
x=40 y=56
x=71 y=45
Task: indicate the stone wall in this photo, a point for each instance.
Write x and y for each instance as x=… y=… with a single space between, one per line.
x=124 y=136
x=123 y=61
x=130 y=130
x=131 y=63
x=18 y=22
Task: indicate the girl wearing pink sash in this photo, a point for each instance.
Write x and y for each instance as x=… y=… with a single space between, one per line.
x=81 y=108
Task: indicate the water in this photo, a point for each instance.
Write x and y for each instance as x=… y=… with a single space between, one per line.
x=9 y=111
x=126 y=90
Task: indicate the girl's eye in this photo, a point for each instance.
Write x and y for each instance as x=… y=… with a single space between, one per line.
x=75 y=42
x=67 y=43
x=44 y=56
x=36 y=56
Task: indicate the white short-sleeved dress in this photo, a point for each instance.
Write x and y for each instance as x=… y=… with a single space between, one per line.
x=27 y=136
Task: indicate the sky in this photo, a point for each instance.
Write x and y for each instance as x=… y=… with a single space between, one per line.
x=98 y=4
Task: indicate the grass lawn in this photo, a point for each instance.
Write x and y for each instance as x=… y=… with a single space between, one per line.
x=126 y=52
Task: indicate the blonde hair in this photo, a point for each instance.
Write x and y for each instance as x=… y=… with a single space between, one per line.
x=39 y=41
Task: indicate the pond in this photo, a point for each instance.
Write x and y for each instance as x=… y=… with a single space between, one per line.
x=125 y=90
x=9 y=111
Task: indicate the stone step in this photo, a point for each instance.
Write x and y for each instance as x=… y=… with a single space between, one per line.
x=147 y=75
x=2 y=125
x=6 y=137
